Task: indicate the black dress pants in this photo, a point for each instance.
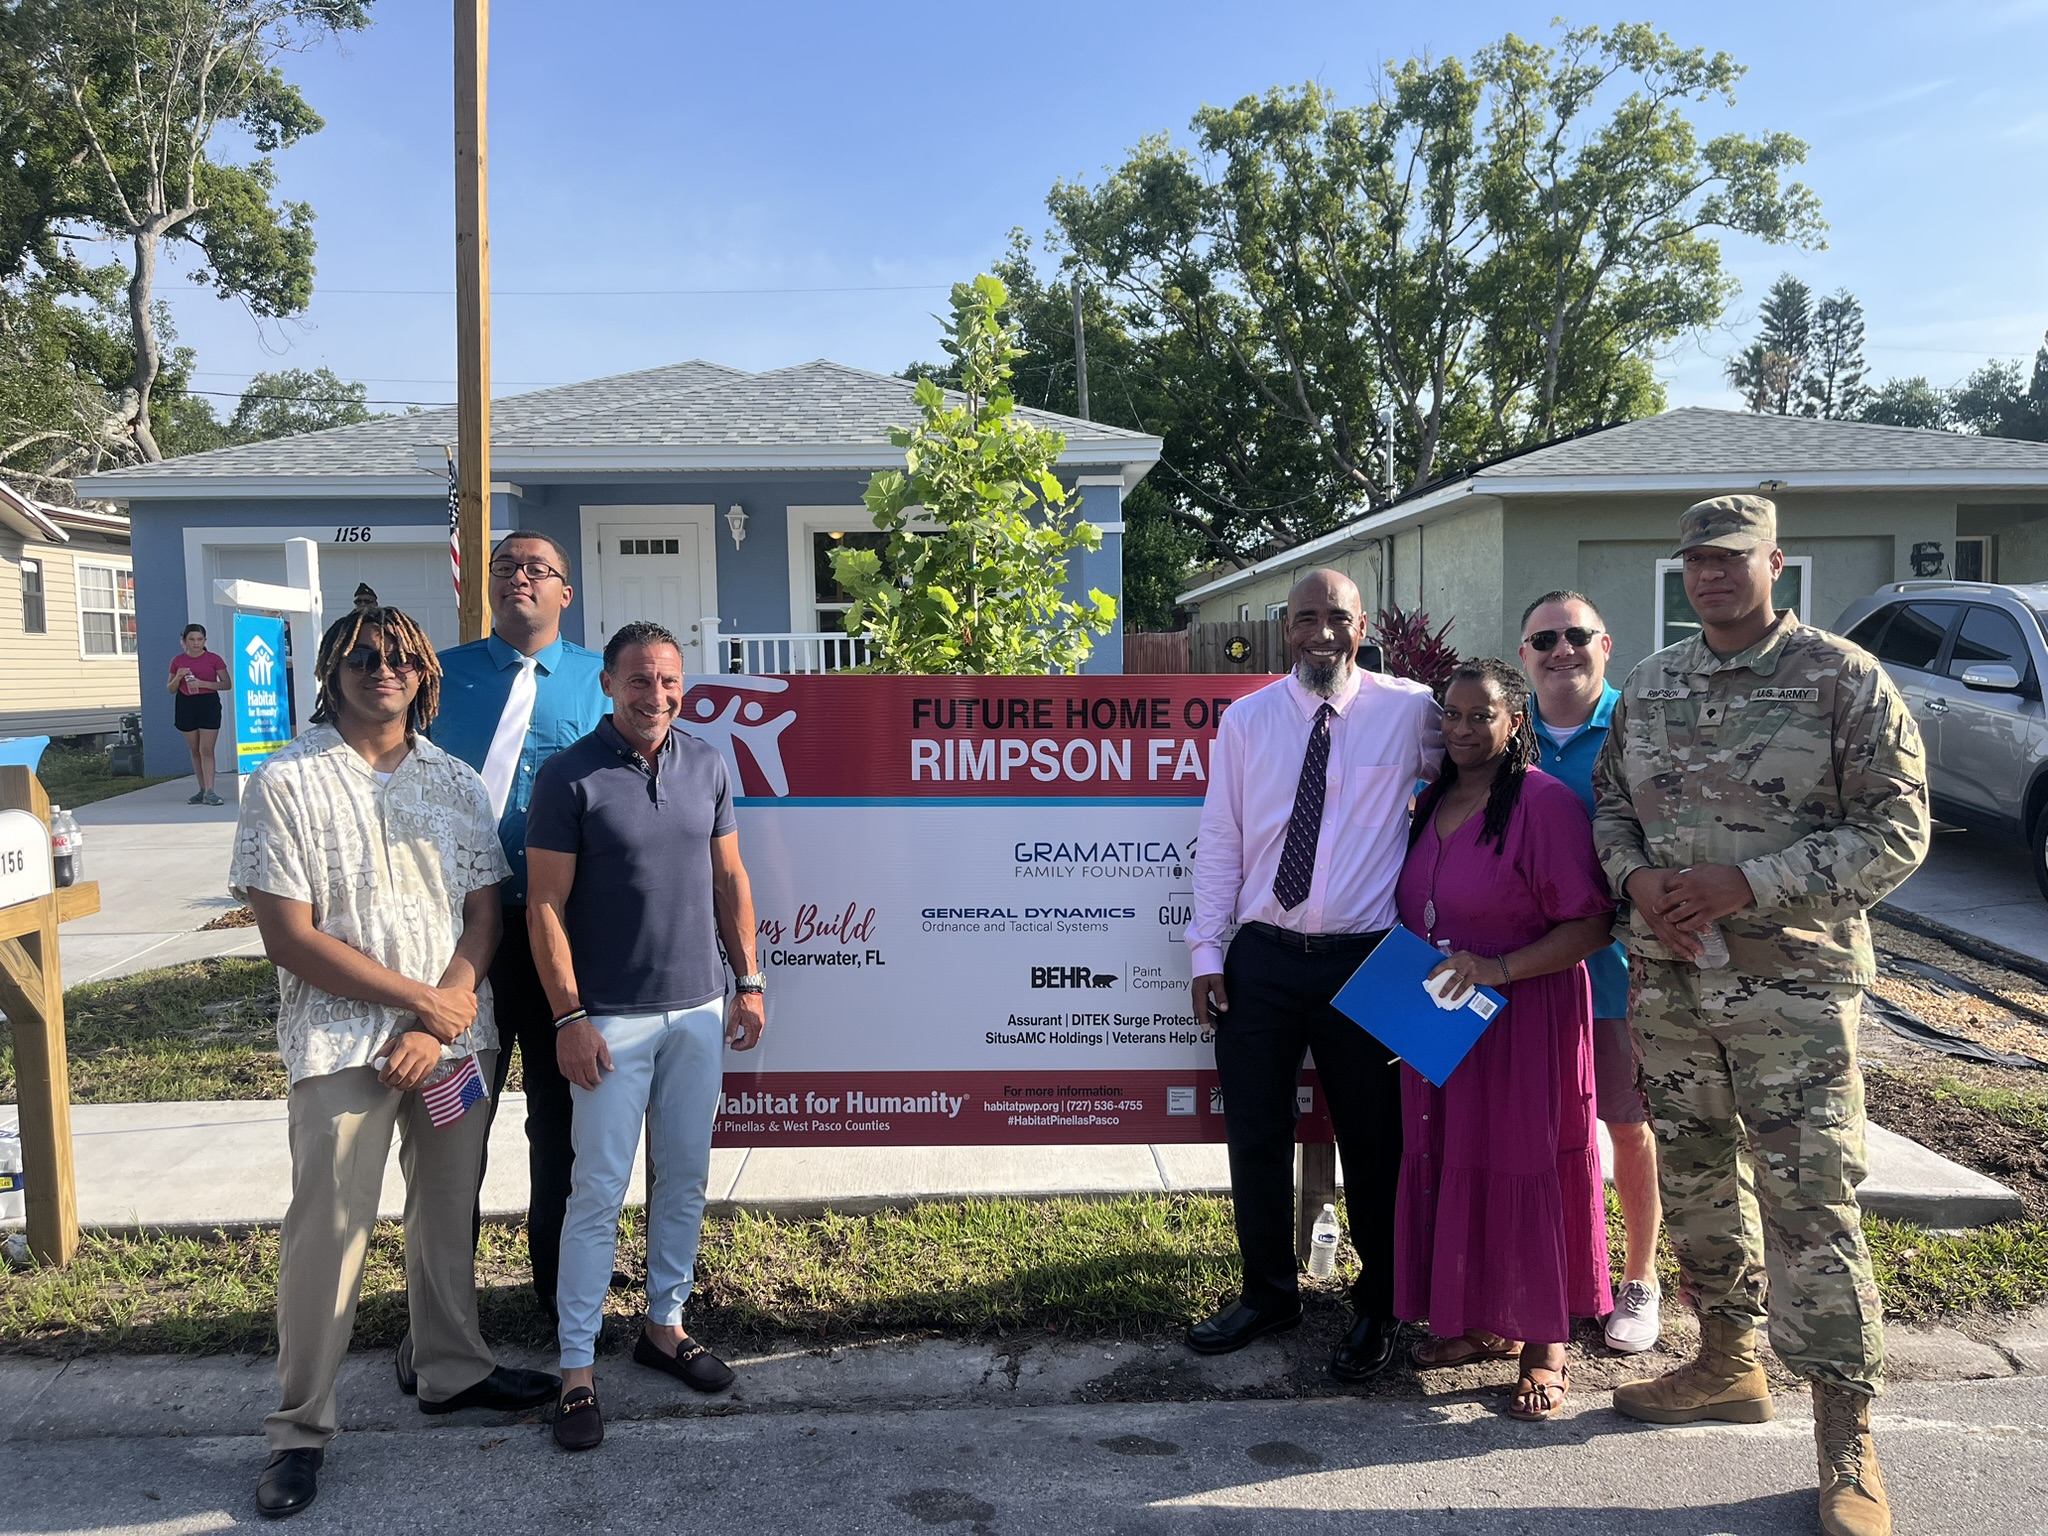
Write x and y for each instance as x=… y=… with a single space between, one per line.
x=525 y=1019
x=1279 y=1009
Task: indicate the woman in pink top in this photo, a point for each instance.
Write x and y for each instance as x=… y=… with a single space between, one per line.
x=1500 y=1234
x=198 y=679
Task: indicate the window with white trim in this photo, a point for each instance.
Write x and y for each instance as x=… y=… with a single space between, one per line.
x=106 y=611
x=35 y=617
x=1276 y=611
x=1676 y=620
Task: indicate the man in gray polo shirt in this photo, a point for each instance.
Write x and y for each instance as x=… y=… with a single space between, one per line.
x=633 y=880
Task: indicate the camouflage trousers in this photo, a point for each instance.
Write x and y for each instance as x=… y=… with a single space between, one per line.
x=1758 y=1106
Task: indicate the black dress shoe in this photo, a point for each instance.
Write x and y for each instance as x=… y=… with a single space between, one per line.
x=1366 y=1349
x=408 y=1378
x=289 y=1482
x=579 y=1425
x=1237 y=1325
x=693 y=1365
x=508 y=1389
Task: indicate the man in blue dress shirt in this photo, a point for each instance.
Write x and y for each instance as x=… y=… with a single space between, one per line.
x=1565 y=646
x=509 y=702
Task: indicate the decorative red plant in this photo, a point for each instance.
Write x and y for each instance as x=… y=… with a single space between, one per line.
x=1412 y=649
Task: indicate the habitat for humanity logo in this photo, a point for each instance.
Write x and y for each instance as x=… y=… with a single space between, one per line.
x=743 y=720
x=262 y=661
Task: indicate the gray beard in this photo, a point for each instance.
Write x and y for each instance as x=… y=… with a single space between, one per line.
x=1323 y=681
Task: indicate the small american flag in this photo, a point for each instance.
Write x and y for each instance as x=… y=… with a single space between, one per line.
x=454 y=529
x=449 y=1099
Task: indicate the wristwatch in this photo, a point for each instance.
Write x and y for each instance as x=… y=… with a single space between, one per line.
x=755 y=982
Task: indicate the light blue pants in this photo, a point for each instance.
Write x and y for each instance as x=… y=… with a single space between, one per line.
x=666 y=1069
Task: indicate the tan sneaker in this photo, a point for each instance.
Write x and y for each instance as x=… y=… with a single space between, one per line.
x=1723 y=1382
x=1852 y=1501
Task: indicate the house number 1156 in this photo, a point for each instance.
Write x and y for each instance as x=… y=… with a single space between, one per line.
x=355 y=535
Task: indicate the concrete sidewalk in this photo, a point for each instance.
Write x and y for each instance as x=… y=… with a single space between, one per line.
x=162 y=866
x=1983 y=887
x=205 y=1165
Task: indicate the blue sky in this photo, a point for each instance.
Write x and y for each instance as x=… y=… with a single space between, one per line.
x=887 y=148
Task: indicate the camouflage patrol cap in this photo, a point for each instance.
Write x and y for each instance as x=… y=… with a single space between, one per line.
x=1728 y=522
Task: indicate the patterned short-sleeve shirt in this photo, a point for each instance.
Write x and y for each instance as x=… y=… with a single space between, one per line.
x=385 y=867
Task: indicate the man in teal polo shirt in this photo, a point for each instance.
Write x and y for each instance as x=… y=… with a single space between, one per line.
x=509 y=702
x=1565 y=646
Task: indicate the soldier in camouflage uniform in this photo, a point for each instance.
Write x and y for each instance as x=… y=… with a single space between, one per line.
x=1765 y=780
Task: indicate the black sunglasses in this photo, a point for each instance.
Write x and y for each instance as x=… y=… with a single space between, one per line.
x=1546 y=639
x=364 y=659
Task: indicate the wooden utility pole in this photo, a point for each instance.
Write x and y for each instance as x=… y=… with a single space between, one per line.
x=32 y=996
x=472 y=315
x=1080 y=355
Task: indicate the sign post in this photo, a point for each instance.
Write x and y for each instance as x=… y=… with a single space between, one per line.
x=32 y=995
x=299 y=600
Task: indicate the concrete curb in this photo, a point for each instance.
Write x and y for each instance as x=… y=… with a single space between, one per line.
x=96 y=1397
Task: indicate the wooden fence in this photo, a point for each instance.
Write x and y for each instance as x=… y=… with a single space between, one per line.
x=1242 y=646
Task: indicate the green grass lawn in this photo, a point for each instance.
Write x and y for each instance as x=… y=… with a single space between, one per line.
x=203 y=1030
x=1137 y=1267
x=72 y=778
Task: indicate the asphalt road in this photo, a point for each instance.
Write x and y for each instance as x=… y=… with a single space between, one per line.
x=1965 y=1458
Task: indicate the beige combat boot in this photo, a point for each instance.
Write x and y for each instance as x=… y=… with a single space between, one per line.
x=1723 y=1382
x=1852 y=1501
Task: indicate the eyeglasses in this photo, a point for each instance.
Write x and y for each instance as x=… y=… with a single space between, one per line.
x=533 y=570
x=363 y=659
x=1546 y=639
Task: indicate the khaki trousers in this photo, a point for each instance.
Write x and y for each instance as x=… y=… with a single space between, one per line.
x=341 y=1128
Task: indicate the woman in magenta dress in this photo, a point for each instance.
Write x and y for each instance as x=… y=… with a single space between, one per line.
x=1501 y=1232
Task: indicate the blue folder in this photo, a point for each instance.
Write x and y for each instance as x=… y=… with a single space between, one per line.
x=1385 y=997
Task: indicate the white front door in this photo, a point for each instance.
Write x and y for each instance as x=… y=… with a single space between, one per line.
x=652 y=563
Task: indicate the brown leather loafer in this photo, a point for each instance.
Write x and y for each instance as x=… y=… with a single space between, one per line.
x=579 y=1424
x=693 y=1365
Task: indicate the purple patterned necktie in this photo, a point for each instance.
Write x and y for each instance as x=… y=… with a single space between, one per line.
x=1298 y=859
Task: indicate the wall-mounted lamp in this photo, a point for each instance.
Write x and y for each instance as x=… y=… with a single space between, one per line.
x=736 y=520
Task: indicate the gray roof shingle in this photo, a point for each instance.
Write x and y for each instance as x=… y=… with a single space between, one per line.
x=1696 y=440
x=694 y=406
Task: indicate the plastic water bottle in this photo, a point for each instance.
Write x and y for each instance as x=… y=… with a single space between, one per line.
x=12 y=1205
x=67 y=847
x=1322 y=1245
x=1713 y=948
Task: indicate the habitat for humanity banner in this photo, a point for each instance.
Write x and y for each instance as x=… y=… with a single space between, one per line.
x=971 y=894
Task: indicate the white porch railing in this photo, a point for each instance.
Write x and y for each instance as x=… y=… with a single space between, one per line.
x=792 y=652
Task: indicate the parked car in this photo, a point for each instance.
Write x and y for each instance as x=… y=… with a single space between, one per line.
x=1969 y=656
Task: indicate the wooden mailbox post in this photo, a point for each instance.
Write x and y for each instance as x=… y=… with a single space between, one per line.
x=32 y=996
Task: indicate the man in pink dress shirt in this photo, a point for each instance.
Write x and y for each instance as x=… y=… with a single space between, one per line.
x=1303 y=833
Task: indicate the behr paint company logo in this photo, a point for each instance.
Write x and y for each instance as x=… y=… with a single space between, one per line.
x=1057 y=978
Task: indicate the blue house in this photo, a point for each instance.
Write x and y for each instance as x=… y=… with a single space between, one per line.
x=706 y=498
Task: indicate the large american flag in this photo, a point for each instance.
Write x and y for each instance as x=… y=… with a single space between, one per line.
x=454 y=529
x=450 y=1099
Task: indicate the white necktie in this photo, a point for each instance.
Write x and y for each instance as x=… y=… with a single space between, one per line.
x=510 y=740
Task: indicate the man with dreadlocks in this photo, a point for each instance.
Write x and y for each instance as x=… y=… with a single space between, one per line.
x=371 y=860
x=1501 y=1233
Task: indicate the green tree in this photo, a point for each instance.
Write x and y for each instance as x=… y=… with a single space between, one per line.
x=1833 y=387
x=1771 y=371
x=295 y=400
x=1907 y=403
x=972 y=577
x=134 y=100
x=1999 y=400
x=1496 y=254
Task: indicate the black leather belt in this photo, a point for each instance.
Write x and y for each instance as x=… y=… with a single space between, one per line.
x=1316 y=943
